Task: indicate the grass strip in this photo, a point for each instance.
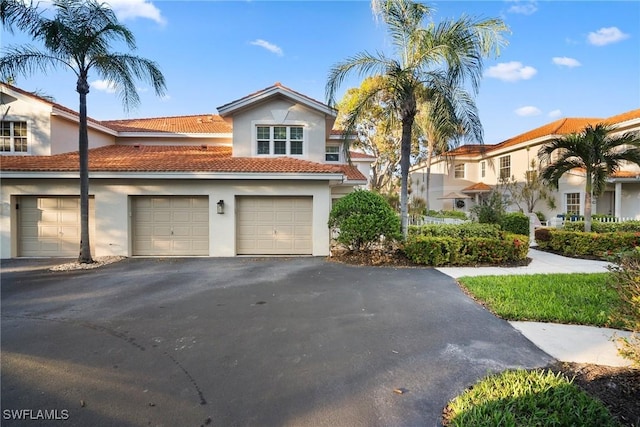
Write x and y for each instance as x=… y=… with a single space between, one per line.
x=526 y=398
x=583 y=299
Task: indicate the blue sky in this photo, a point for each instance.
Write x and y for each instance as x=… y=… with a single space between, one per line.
x=564 y=58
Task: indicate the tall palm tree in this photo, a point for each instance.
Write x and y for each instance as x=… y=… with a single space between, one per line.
x=432 y=56
x=443 y=121
x=78 y=38
x=593 y=150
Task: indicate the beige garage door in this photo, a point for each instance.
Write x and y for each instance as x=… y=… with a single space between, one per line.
x=50 y=226
x=274 y=225
x=170 y=225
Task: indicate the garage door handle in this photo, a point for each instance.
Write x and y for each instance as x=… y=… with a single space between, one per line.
x=275 y=232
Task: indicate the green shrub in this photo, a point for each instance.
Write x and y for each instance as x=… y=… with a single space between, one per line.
x=541 y=216
x=625 y=279
x=363 y=218
x=447 y=214
x=468 y=229
x=575 y=243
x=604 y=227
x=515 y=222
x=438 y=250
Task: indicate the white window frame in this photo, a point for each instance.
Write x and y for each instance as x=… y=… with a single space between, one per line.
x=12 y=137
x=460 y=167
x=566 y=203
x=272 y=141
x=501 y=174
x=483 y=169
x=332 y=153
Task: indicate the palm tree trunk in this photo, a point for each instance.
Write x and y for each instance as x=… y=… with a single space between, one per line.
x=587 y=203
x=405 y=154
x=83 y=142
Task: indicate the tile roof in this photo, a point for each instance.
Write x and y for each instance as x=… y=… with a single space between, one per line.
x=478 y=187
x=559 y=127
x=361 y=156
x=201 y=123
x=147 y=158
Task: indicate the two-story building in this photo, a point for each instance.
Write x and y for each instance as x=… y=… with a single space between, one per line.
x=461 y=177
x=258 y=178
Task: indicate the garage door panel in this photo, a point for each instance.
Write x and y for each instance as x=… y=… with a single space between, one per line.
x=170 y=225
x=50 y=226
x=274 y=225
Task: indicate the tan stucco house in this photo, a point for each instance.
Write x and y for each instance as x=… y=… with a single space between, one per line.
x=258 y=178
x=472 y=171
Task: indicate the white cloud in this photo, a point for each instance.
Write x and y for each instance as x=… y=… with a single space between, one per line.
x=566 y=62
x=132 y=9
x=511 y=71
x=606 y=36
x=554 y=114
x=269 y=46
x=103 y=86
x=526 y=7
x=528 y=111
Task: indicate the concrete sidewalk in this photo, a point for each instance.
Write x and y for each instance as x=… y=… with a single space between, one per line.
x=567 y=343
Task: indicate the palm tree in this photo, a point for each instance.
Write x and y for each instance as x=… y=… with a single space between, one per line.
x=78 y=38
x=442 y=122
x=593 y=150
x=432 y=57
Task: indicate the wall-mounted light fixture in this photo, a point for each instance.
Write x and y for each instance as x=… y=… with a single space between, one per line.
x=220 y=205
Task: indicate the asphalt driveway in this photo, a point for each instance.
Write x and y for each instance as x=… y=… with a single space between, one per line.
x=242 y=342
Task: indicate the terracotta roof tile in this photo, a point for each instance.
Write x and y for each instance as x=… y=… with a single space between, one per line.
x=202 y=123
x=468 y=149
x=478 y=187
x=619 y=118
x=363 y=156
x=625 y=174
x=145 y=158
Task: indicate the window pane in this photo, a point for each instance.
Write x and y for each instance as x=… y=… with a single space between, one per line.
x=279 y=132
x=20 y=129
x=459 y=171
x=505 y=167
x=296 y=133
x=296 y=147
x=263 y=147
x=20 y=144
x=263 y=132
x=573 y=203
x=280 y=147
x=330 y=157
x=483 y=169
x=5 y=128
x=5 y=144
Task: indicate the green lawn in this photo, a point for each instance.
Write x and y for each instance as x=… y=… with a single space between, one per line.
x=584 y=299
x=526 y=398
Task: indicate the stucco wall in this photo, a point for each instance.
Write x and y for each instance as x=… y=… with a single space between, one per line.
x=64 y=136
x=36 y=114
x=113 y=211
x=244 y=124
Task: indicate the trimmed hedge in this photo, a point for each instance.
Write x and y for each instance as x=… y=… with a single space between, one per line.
x=468 y=229
x=604 y=227
x=515 y=222
x=438 y=251
x=578 y=243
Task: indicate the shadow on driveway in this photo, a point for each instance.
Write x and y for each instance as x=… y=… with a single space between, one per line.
x=244 y=342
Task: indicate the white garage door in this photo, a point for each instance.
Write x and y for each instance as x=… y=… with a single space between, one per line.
x=170 y=225
x=274 y=225
x=50 y=226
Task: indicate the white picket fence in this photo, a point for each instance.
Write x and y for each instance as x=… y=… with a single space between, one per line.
x=436 y=220
x=559 y=221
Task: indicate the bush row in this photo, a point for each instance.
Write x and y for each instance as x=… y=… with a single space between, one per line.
x=604 y=227
x=574 y=243
x=438 y=251
x=468 y=229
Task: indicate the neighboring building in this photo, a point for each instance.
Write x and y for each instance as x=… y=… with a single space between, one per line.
x=473 y=171
x=257 y=179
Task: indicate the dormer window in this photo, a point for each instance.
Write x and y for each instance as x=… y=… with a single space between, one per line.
x=280 y=140
x=13 y=137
